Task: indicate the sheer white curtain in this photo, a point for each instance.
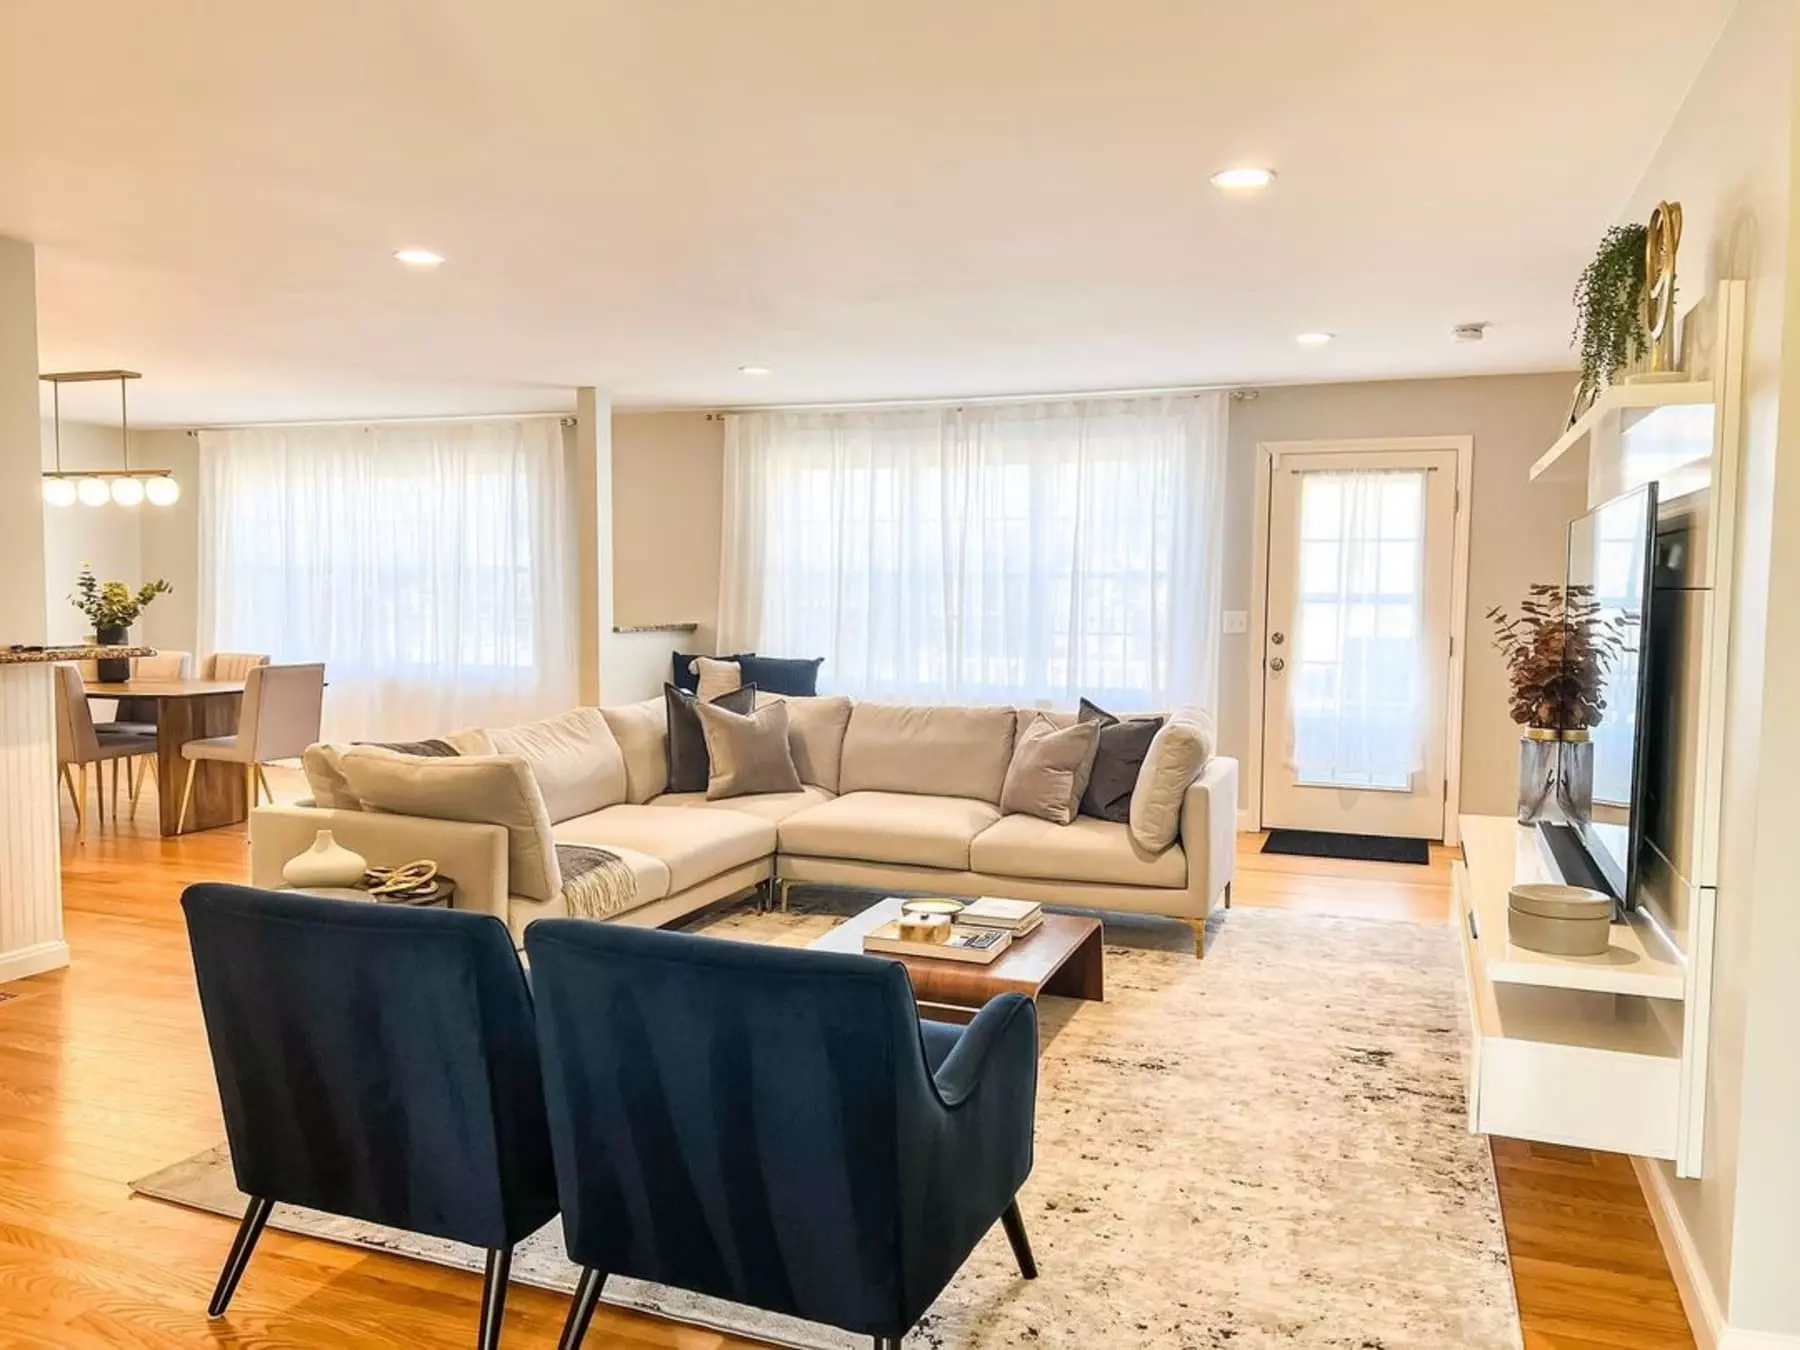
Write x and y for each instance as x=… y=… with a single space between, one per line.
x=1357 y=693
x=429 y=565
x=989 y=553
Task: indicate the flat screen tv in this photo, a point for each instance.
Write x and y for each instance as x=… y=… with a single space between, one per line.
x=1611 y=550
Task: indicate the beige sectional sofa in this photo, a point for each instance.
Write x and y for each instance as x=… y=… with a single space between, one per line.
x=894 y=797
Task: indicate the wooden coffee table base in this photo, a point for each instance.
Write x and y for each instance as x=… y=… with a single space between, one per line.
x=1061 y=958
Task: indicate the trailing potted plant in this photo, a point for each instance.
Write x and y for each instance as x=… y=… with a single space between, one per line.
x=112 y=607
x=1558 y=651
x=1610 y=332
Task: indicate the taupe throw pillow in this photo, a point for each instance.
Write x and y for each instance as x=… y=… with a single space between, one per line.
x=1124 y=743
x=747 y=752
x=686 y=745
x=1049 y=769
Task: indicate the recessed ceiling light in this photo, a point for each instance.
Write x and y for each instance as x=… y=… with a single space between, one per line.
x=421 y=258
x=1312 y=339
x=1243 y=180
x=755 y=370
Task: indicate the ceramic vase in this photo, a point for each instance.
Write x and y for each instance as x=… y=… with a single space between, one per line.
x=326 y=863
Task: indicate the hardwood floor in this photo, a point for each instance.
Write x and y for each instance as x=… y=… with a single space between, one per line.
x=104 y=1076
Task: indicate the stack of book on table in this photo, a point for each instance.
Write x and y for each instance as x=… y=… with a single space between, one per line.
x=1017 y=917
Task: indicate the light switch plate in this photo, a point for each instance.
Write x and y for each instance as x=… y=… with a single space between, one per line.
x=1236 y=621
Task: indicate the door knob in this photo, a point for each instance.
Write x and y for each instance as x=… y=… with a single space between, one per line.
x=1277 y=665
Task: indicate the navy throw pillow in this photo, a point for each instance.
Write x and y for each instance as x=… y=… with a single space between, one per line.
x=794 y=678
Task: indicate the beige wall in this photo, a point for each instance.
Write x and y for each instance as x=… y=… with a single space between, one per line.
x=1727 y=159
x=169 y=540
x=1516 y=533
x=22 y=583
x=668 y=485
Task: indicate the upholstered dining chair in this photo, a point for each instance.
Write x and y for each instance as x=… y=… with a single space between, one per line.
x=137 y=716
x=80 y=744
x=233 y=665
x=774 y=1126
x=377 y=1062
x=279 y=719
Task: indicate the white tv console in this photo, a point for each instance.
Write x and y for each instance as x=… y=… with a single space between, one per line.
x=1610 y=1052
x=1581 y=1050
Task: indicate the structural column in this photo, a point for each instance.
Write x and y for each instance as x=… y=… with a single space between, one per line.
x=31 y=932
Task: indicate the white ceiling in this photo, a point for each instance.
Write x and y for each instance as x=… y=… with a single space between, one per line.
x=927 y=198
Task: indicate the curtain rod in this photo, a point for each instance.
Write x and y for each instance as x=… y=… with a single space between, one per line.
x=1238 y=393
x=562 y=417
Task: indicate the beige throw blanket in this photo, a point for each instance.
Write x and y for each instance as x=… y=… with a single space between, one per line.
x=596 y=884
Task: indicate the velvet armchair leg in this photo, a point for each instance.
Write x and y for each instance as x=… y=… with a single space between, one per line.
x=256 y=1214
x=581 y=1310
x=493 y=1298
x=1014 y=1224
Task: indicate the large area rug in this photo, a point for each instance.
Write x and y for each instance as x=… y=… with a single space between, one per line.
x=1266 y=1148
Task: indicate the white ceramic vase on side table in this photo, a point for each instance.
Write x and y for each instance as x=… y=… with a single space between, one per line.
x=326 y=863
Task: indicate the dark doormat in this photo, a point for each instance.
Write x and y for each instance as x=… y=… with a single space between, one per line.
x=1360 y=847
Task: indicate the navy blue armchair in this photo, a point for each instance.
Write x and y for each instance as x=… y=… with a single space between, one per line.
x=774 y=1126
x=374 y=1061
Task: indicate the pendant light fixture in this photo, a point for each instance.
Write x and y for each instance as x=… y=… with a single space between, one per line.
x=124 y=486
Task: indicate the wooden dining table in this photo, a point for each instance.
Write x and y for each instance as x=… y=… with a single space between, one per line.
x=190 y=710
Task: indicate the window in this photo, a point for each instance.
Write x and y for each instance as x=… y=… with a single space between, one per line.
x=1000 y=553
x=428 y=565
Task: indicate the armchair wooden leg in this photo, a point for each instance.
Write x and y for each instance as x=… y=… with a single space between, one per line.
x=1014 y=1225
x=784 y=894
x=581 y=1310
x=81 y=807
x=248 y=1232
x=62 y=773
x=1199 y=927
x=262 y=781
x=115 y=793
x=493 y=1298
x=1228 y=895
x=134 y=779
x=187 y=795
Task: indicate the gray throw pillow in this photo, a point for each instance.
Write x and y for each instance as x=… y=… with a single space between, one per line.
x=1049 y=769
x=1124 y=742
x=748 y=752
x=686 y=745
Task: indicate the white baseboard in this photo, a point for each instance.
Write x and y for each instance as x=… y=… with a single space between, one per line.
x=33 y=960
x=1698 y=1298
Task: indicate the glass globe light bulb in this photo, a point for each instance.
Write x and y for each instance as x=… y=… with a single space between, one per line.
x=128 y=491
x=59 y=492
x=164 y=491
x=93 y=492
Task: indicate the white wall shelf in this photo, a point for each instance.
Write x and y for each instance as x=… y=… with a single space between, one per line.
x=1613 y=401
x=1499 y=854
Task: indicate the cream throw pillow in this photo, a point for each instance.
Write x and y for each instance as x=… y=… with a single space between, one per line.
x=747 y=752
x=482 y=789
x=1176 y=757
x=574 y=757
x=325 y=778
x=1049 y=770
x=641 y=730
x=717 y=677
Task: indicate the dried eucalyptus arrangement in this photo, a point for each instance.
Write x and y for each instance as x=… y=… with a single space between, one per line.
x=1558 y=651
x=1610 y=330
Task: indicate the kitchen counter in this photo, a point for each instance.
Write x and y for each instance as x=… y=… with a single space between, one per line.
x=50 y=655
